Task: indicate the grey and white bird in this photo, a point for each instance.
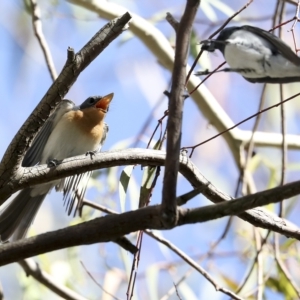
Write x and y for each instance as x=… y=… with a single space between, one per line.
x=256 y=54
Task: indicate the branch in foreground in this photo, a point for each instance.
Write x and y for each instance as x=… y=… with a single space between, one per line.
x=194 y=265
x=9 y=167
x=176 y=100
x=172 y=247
x=31 y=268
x=141 y=219
x=121 y=241
x=99 y=285
x=259 y=217
x=125 y=244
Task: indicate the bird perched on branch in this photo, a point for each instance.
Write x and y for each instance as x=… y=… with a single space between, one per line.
x=71 y=130
x=256 y=54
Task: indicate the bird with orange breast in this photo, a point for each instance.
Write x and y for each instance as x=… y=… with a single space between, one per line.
x=71 y=130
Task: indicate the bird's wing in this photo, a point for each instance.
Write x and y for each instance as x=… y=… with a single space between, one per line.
x=273 y=80
x=34 y=153
x=283 y=48
x=74 y=187
x=104 y=135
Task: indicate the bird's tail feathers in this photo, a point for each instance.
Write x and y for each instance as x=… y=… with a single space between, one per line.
x=73 y=189
x=16 y=218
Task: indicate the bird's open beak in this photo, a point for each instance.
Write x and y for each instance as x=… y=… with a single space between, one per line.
x=103 y=103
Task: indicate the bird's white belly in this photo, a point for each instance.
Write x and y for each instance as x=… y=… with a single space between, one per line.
x=67 y=140
x=251 y=63
x=241 y=57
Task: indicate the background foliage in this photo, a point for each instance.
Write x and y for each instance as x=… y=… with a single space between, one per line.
x=130 y=70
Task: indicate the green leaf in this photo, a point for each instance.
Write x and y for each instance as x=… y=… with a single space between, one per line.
x=194 y=44
x=123 y=185
x=282 y=286
x=27 y=7
x=231 y=284
x=145 y=191
x=287 y=244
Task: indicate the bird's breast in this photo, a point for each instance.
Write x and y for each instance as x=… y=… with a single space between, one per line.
x=75 y=134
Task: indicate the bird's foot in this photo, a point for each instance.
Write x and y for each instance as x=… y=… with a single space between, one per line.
x=91 y=154
x=52 y=163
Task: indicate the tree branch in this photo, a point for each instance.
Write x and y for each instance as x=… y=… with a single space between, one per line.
x=9 y=167
x=257 y=217
x=38 y=31
x=190 y=261
x=174 y=124
x=31 y=268
x=145 y=218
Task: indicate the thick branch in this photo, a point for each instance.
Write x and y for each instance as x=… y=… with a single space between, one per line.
x=257 y=217
x=9 y=167
x=174 y=124
x=141 y=219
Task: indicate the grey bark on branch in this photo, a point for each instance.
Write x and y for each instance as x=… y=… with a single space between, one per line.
x=258 y=217
x=150 y=218
x=174 y=124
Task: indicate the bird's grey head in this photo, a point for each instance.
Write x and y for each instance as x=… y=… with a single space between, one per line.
x=220 y=41
x=90 y=101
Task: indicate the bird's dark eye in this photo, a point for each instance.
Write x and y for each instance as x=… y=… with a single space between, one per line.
x=92 y=100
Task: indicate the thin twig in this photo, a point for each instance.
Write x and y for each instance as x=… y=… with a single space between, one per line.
x=147 y=122
x=294 y=25
x=38 y=31
x=31 y=268
x=222 y=237
x=177 y=292
x=242 y=19
x=98 y=284
x=121 y=241
x=245 y=182
x=259 y=263
x=137 y=255
x=241 y=122
x=172 y=21
x=193 y=264
x=172 y=290
x=243 y=283
x=209 y=75
x=244 y=168
x=283 y=148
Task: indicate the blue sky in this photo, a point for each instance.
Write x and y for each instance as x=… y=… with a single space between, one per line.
x=128 y=69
